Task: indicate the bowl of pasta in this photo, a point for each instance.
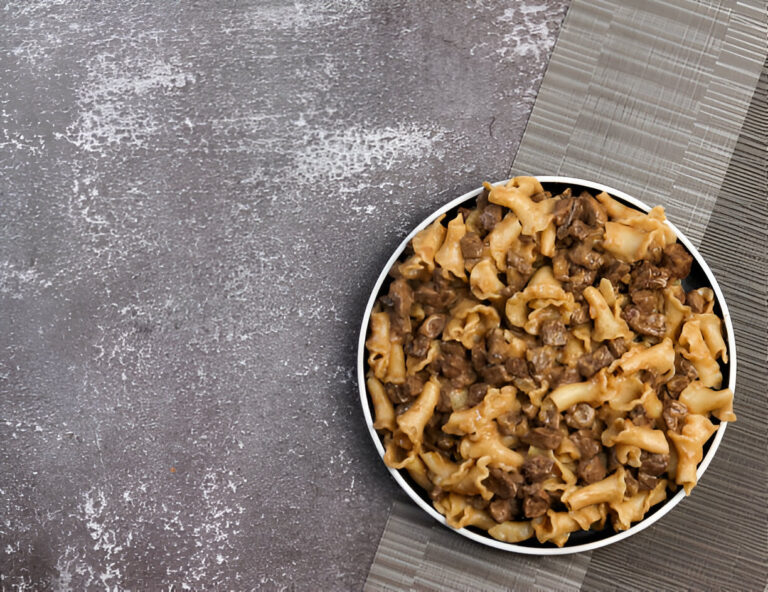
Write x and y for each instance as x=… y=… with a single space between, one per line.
x=546 y=365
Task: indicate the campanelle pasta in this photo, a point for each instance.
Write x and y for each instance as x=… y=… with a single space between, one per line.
x=538 y=368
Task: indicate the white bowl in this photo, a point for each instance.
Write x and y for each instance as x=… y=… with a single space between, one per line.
x=607 y=535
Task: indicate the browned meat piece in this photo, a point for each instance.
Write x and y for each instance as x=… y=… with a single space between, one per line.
x=646 y=301
x=580 y=315
x=517 y=367
x=427 y=294
x=684 y=368
x=646 y=482
x=436 y=493
x=490 y=216
x=579 y=279
x=477 y=393
x=445 y=442
x=541 y=359
x=564 y=375
x=583 y=256
x=677 y=384
x=563 y=214
x=520 y=263
x=638 y=416
x=479 y=357
x=537 y=468
x=615 y=271
x=418 y=347
x=402 y=297
x=455 y=365
x=471 y=246
x=654 y=464
x=674 y=415
x=696 y=301
x=580 y=416
x=482 y=200
x=508 y=422
x=397 y=393
x=587 y=445
x=647 y=276
x=496 y=375
x=549 y=417
x=497 y=346
x=589 y=364
x=504 y=484
x=541 y=196
x=553 y=332
x=414 y=384
x=612 y=463
x=444 y=403
x=478 y=502
x=653 y=325
x=530 y=410
x=677 y=260
x=546 y=438
x=591 y=470
x=560 y=266
x=631 y=483
x=579 y=230
x=617 y=347
x=592 y=211
x=536 y=503
x=502 y=510
x=433 y=326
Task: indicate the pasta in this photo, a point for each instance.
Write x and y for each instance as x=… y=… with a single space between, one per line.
x=538 y=368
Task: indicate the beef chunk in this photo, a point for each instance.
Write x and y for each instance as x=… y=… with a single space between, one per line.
x=580 y=315
x=674 y=415
x=418 y=347
x=549 y=417
x=479 y=357
x=646 y=482
x=564 y=375
x=591 y=470
x=471 y=246
x=685 y=368
x=440 y=300
x=477 y=393
x=563 y=214
x=402 y=297
x=654 y=464
x=497 y=346
x=638 y=416
x=579 y=279
x=496 y=375
x=433 y=326
x=436 y=493
x=490 y=217
x=587 y=445
x=645 y=300
x=647 y=276
x=546 y=438
x=553 y=332
x=502 y=510
x=517 y=367
x=519 y=262
x=580 y=416
x=615 y=271
x=503 y=484
x=537 y=468
x=560 y=266
x=541 y=359
x=592 y=211
x=677 y=385
x=696 y=301
x=444 y=404
x=617 y=347
x=590 y=363
x=583 y=256
x=397 y=393
x=536 y=503
x=455 y=365
x=508 y=422
x=631 y=483
x=677 y=261
x=653 y=325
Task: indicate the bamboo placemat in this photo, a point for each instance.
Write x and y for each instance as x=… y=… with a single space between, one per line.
x=668 y=102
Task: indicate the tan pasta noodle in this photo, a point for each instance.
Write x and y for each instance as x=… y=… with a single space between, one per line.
x=537 y=367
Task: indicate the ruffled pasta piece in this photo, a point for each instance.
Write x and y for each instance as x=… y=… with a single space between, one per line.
x=396 y=369
x=383 y=409
x=470 y=321
x=712 y=331
x=487 y=442
x=709 y=297
x=608 y=325
x=484 y=281
x=660 y=358
x=635 y=507
x=543 y=290
x=512 y=532
x=496 y=403
x=592 y=391
x=623 y=431
x=414 y=365
x=418 y=472
x=625 y=391
x=516 y=195
x=425 y=245
x=465 y=479
x=458 y=513
x=547 y=240
x=501 y=238
x=702 y=400
x=690 y=448
x=449 y=256
x=378 y=344
x=410 y=425
x=674 y=310
x=609 y=490
x=697 y=352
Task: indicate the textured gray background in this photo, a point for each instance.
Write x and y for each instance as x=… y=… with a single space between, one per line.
x=194 y=203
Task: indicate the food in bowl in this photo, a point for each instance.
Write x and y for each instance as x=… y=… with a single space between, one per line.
x=537 y=367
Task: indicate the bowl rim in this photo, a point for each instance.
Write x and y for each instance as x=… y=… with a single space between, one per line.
x=487 y=539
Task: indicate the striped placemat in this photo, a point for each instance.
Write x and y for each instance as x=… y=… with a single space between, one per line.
x=668 y=101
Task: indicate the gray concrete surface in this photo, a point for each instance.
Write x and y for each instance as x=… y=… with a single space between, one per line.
x=194 y=204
